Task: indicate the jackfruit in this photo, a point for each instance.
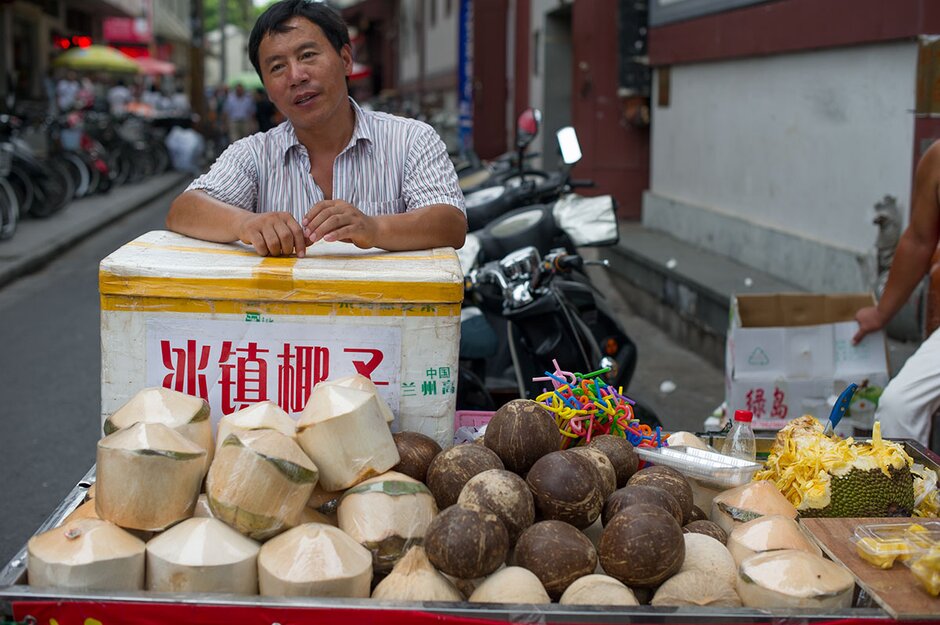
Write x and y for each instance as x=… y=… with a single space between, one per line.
x=830 y=477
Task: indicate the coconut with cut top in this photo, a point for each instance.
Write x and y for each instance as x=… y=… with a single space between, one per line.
x=596 y=589
x=790 y=578
x=747 y=502
x=149 y=477
x=264 y=415
x=768 y=533
x=512 y=584
x=414 y=578
x=344 y=431
x=362 y=383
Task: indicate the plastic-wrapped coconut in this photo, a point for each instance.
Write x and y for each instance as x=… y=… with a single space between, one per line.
x=598 y=590
x=704 y=553
x=264 y=415
x=362 y=383
x=314 y=560
x=794 y=579
x=415 y=579
x=387 y=515
x=202 y=555
x=768 y=533
x=745 y=503
x=186 y=414
x=260 y=482
x=512 y=584
x=345 y=433
x=149 y=477
x=697 y=588
x=86 y=554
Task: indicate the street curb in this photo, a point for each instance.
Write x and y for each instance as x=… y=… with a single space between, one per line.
x=40 y=257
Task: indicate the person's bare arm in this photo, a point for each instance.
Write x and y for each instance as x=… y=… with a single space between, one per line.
x=915 y=249
x=198 y=215
x=438 y=225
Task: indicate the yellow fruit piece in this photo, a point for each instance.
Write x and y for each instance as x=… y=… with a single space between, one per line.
x=877 y=552
x=927 y=570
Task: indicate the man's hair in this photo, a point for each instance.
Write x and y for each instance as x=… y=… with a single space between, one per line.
x=273 y=20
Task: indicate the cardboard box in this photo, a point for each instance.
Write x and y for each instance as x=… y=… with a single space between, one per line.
x=791 y=354
x=221 y=322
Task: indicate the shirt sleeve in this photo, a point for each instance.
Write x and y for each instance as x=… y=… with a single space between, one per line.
x=429 y=175
x=233 y=178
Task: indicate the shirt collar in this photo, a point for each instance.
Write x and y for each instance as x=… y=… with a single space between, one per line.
x=361 y=132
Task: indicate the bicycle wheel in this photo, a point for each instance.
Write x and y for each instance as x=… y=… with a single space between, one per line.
x=53 y=191
x=23 y=187
x=9 y=210
x=78 y=172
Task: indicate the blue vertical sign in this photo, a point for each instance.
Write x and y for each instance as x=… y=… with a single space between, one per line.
x=465 y=76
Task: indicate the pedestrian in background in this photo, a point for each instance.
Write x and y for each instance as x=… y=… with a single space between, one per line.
x=264 y=111
x=239 y=113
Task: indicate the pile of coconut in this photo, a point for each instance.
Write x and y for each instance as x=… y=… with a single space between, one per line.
x=336 y=505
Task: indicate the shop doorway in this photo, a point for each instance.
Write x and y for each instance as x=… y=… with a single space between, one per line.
x=557 y=83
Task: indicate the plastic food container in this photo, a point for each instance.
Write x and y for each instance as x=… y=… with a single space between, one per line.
x=915 y=543
x=708 y=467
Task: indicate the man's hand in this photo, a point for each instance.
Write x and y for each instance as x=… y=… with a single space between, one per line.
x=273 y=234
x=869 y=320
x=336 y=220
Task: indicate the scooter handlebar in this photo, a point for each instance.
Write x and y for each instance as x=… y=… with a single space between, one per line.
x=581 y=184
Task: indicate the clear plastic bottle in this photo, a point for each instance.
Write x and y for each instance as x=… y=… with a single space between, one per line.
x=740 y=441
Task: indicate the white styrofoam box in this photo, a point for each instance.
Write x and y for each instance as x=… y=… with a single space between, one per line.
x=219 y=321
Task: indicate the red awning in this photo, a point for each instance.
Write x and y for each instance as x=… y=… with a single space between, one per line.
x=154 y=67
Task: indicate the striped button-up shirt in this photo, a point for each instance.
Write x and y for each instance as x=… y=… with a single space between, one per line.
x=391 y=165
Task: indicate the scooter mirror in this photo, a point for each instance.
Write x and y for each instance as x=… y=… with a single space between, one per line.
x=568 y=142
x=527 y=126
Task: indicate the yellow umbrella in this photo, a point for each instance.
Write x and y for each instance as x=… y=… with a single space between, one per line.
x=97 y=58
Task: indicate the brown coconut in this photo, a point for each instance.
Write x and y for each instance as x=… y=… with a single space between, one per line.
x=452 y=469
x=605 y=469
x=557 y=553
x=670 y=481
x=466 y=541
x=417 y=451
x=697 y=513
x=621 y=453
x=632 y=494
x=505 y=494
x=521 y=432
x=707 y=528
x=642 y=546
x=564 y=486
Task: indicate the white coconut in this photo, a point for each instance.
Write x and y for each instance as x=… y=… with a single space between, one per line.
x=186 y=414
x=387 y=514
x=745 y=503
x=314 y=560
x=264 y=415
x=84 y=511
x=414 y=578
x=259 y=482
x=687 y=439
x=202 y=509
x=768 y=533
x=598 y=590
x=790 y=578
x=362 y=383
x=512 y=584
x=149 y=477
x=702 y=495
x=202 y=555
x=704 y=553
x=697 y=588
x=86 y=554
x=344 y=432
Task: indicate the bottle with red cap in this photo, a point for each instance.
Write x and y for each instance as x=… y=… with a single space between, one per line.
x=740 y=441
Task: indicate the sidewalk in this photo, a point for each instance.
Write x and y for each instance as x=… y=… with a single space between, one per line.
x=37 y=241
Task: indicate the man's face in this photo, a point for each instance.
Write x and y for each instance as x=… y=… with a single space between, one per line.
x=304 y=75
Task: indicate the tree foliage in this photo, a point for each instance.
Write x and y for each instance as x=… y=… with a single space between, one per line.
x=241 y=13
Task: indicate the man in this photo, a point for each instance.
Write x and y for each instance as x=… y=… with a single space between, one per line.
x=239 y=111
x=333 y=171
x=913 y=396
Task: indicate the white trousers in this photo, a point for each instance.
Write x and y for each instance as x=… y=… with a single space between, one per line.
x=912 y=397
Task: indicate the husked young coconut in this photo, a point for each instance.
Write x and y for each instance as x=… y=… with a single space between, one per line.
x=707 y=528
x=697 y=588
x=466 y=541
x=362 y=383
x=415 y=579
x=387 y=514
x=520 y=432
x=149 y=477
x=344 y=431
x=416 y=451
x=631 y=494
x=670 y=481
x=557 y=553
x=314 y=560
x=506 y=495
x=642 y=546
x=86 y=554
x=745 y=503
x=323 y=500
x=621 y=454
x=565 y=488
x=704 y=553
x=259 y=482
x=264 y=415
x=84 y=511
x=605 y=469
x=202 y=555
x=512 y=584
x=790 y=578
x=202 y=509
x=183 y=413
x=452 y=469
x=596 y=589
x=768 y=533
